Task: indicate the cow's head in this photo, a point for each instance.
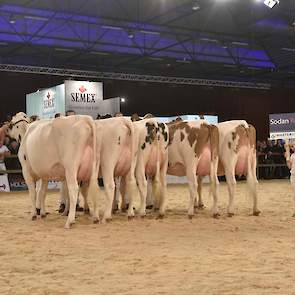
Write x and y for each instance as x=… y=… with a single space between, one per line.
x=18 y=125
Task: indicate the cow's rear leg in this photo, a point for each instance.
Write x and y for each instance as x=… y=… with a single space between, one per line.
x=84 y=192
x=199 y=201
x=131 y=190
x=41 y=197
x=124 y=200
x=31 y=183
x=73 y=189
x=142 y=185
x=162 y=207
x=252 y=185
x=192 y=183
x=231 y=185
x=214 y=186
x=109 y=189
x=117 y=194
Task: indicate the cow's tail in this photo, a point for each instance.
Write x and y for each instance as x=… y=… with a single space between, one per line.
x=251 y=167
x=214 y=151
x=131 y=187
x=93 y=184
x=157 y=185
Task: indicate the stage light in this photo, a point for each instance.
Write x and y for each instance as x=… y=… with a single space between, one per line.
x=12 y=19
x=271 y=3
x=122 y=99
x=195 y=5
x=130 y=34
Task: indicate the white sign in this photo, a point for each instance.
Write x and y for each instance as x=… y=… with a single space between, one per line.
x=83 y=97
x=49 y=102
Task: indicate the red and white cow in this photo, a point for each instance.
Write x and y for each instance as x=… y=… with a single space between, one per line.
x=60 y=149
x=192 y=151
x=237 y=156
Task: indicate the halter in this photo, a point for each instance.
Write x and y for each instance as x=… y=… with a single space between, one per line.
x=21 y=120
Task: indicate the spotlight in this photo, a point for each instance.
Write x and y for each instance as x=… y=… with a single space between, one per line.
x=195 y=5
x=130 y=34
x=122 y=99
x=12 y=19
x=271 y=3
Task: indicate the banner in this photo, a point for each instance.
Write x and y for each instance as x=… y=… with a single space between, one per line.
x=282 y=126
x=47 y=102
x=83 y=97
x=110 y=106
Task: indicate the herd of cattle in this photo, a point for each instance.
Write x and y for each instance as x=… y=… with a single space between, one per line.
x=77 y=150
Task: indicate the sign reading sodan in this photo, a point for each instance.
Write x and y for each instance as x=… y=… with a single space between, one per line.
x=282 y=126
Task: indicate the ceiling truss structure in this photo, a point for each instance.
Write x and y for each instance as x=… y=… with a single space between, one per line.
x=129 y=77
x=256 y=44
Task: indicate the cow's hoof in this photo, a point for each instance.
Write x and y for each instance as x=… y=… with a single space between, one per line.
x=190 y=216
x=34 y=217
x=216 y=215
x=108 y=220
x=256 y=213
x=156 y=209
x=149 y=207
x=87 y=211
x=79 y=209
x=130 y=217
x=142 y=216
x=61 y=208
x=161 y=216
x=38 y=211
x=230 y=214
x=43 y=215
x=95 y=220
x=201 y=206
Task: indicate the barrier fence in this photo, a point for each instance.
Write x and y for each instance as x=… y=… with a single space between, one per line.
x=16 y=181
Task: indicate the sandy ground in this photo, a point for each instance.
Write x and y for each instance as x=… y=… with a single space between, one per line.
x=239 y=255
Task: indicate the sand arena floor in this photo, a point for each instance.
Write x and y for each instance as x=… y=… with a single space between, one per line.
x=239 y=255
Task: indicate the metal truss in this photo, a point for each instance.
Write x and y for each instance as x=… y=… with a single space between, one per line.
x=128 y=77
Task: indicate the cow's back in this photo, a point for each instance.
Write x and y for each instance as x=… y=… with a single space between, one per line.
x=49 y=145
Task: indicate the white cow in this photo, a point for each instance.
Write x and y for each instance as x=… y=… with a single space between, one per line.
x=117 y=159
x=193 y=150
x=237 y=156
x=64 y=148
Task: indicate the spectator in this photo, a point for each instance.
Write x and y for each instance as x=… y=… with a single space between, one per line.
x=57 y=115
x=135 y=117
x=98 y=117
x=34 y=118
x=106 y=116
x=70 y=113
x=4 y=152
x=13 y=147
x=290 y=160
x=118 y=114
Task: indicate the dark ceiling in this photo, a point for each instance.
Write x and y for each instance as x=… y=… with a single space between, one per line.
x=237 y=40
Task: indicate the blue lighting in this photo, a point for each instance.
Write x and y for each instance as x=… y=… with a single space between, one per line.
x=95 y=34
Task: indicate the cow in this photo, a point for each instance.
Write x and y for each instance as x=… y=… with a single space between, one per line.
x=192 y=151
x=117 y=159
x=237 y=156
x=62 y=149
x=151 y=163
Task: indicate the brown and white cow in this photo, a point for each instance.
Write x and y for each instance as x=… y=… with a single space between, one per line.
x=237 y=156
x=192 y=151
x=60 y=149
